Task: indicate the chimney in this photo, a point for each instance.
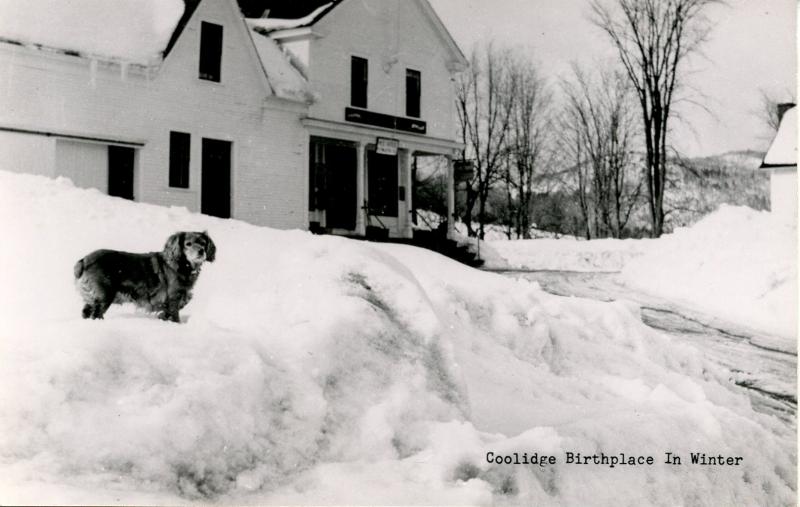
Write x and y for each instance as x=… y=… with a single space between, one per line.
x=782 y=108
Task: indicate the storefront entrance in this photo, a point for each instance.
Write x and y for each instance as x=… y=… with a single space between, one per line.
x=332 y=182
x=382 y=184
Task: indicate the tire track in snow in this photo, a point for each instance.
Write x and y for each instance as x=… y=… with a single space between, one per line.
x=767 y=372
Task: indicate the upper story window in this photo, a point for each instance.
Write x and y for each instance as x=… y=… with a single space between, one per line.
x=210 y=51
x=179 y=147
x=413 y=93
x=359 y=74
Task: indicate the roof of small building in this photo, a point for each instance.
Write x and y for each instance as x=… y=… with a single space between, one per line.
x=284 y=76
x=136 y=31
x=783 y=150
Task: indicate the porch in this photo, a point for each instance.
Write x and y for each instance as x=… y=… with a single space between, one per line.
x=361 y=179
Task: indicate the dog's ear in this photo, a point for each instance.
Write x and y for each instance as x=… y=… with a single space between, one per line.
x=211 y=248
x=173 y=250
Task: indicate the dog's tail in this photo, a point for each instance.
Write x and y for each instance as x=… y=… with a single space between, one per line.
x=78 y=269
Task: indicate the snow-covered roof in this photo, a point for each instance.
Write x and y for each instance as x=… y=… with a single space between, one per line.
x=136 y=31
x=783 y=150
x=274 y=24
x=285 y=79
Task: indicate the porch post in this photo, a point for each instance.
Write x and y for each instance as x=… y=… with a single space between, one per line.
x=361 y=224
x=451 y=198
x=408 y=230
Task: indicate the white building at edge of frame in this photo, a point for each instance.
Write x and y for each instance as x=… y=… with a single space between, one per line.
x=781 y=160
x=250 y=119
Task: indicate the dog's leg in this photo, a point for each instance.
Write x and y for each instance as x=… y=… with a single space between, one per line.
x=102 y=298
x=170 y=314
x=100 y=307
x=170 y=310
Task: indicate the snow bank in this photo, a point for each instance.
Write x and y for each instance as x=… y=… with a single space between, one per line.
x=133 y=30
x=737 y=263
x=565 y=254
x=318 y=370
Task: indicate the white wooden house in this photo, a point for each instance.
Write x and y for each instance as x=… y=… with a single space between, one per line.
x=383 y=74
x=212 y=121
x=781 y=160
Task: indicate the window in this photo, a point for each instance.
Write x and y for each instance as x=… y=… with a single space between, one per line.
x=210 y=51
x=179 y=146
x=413 y=93
x=359 y=74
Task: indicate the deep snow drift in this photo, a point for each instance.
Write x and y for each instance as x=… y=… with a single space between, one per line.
x=737 y=264
x=319 y=370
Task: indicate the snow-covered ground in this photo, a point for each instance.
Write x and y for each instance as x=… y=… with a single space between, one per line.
x=564 y=254
x=319 y=370
x=737 y=264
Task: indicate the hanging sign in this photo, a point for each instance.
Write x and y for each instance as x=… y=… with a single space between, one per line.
x=386 y=146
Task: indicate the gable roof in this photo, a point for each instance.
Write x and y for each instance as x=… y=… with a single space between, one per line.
x=458 y=55
x=188 y=11
x=273 y=26
x=783 y=150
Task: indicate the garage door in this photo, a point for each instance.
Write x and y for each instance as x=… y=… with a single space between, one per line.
x=86 y=164
x=108 y=168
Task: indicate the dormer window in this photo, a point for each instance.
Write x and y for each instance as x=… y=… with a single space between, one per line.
x=413 y=93
x=210 y=51
x=359 y=74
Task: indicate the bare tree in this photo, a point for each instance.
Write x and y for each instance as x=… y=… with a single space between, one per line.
x=599 y=132
x=528 y=141
x=653 y=39
x=484 y=98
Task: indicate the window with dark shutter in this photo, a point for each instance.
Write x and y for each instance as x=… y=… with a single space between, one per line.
x=179 y=147
x=413 y=93
x=359 y=74
x=210 y=51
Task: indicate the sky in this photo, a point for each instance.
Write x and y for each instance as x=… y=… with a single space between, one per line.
x=751 y=48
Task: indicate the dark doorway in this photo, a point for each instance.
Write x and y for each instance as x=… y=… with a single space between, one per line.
x=215 y=192
x=382 y=184
x=333 y=182
x=120 y=171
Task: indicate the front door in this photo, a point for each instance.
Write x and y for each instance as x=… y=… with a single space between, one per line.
x=215 y=191
x=382 y=184
x=120 y=171
x=340 y=168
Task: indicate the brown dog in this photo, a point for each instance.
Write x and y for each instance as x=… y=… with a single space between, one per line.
x=159 y=282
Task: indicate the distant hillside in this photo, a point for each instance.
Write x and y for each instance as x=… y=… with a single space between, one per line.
x=743 y=159
x=698 y=186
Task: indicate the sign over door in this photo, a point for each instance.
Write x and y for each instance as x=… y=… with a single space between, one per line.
x=386 y=146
